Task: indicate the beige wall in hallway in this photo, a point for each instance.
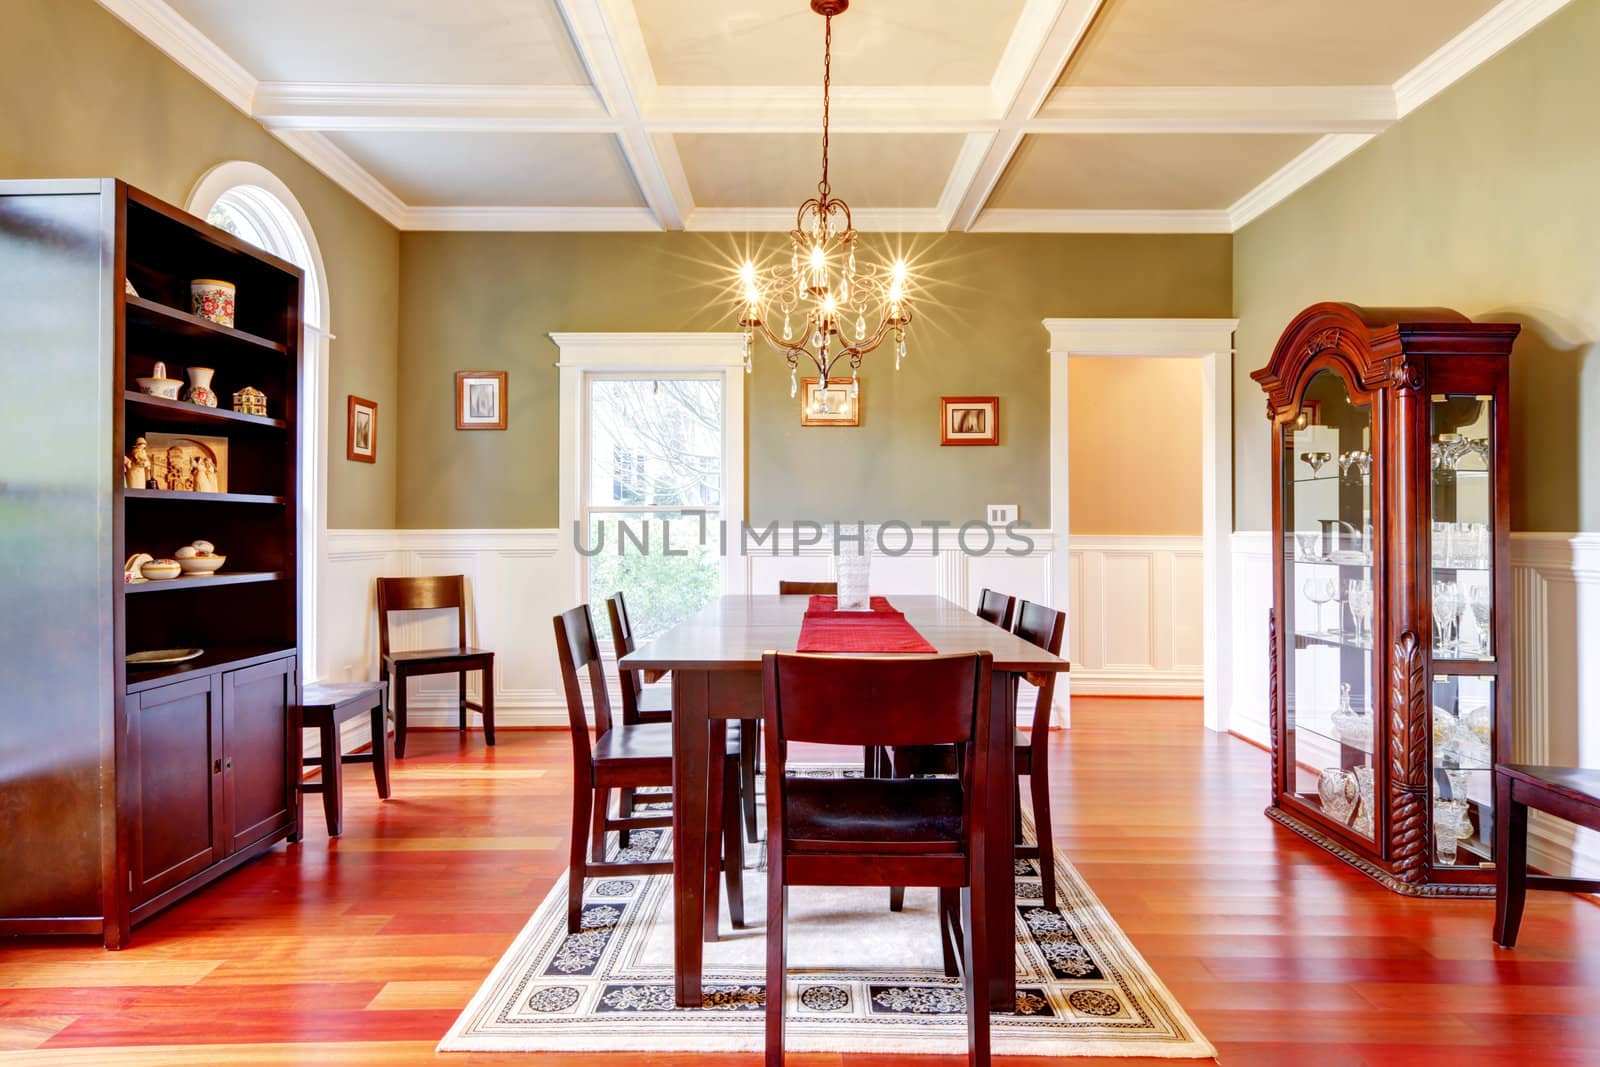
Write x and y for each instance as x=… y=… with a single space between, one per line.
x=489 y=301
x=1135 y=433
x=1484 y=200
x=83 y=96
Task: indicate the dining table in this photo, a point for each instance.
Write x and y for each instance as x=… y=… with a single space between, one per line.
x=714 y=659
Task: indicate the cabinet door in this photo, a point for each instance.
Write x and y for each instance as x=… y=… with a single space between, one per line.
x=175 y=763
x=259 y=768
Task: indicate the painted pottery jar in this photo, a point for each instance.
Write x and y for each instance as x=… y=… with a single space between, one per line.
x=200 y=387
x=211 y=298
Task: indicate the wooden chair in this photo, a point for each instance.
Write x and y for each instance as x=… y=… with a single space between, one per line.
x=641 y=704
x=625 y=756
x=880 y=831
x=996 y=608
x=1568 y=793
x=1046 y=628
x=432 y=594
x=791 y=588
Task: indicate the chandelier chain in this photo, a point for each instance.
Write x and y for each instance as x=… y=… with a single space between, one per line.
x=827 y=81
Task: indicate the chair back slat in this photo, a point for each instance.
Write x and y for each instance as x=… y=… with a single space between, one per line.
x=996 y=608
x=899 y=700
x=622 y=643
x=577 y=650
x=434 y=593
x=798 y=588
x=1046 y=628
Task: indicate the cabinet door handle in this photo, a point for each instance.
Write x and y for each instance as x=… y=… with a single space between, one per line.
x=228 y=763
x=216 y=766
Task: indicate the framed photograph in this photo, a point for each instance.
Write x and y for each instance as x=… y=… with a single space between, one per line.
x=480 y=399
x=361 y=440
x=835 y=404
x=186 y=463
x=969 y=420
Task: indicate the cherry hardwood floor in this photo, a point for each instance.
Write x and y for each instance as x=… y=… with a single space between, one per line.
x=364 y=949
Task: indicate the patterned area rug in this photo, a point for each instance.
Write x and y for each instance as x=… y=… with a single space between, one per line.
x=861 y=978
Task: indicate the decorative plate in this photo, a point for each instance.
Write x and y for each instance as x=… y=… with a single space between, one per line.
x=156 y=657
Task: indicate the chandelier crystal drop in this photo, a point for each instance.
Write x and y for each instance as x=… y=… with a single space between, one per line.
x=822 y=280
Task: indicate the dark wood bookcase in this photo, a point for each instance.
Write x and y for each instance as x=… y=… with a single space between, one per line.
x=124 y=789
x=1390 y=648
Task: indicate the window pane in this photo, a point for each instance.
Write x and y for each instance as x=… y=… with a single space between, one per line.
x=225 y=216
x=662 y=590
x=655 y=442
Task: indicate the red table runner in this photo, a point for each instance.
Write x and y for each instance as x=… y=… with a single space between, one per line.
x=883 y=629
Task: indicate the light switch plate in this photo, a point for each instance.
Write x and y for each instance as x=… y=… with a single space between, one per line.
x=1002 y=514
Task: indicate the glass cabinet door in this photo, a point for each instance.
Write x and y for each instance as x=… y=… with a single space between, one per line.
x=1329 y=688
x=1461 y=433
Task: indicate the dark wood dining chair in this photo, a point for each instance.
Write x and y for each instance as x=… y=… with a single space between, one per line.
x=641 y=704
x=624 y=756
x=795 y=588
x=996 y=608
x=1047 y=628
x=880 y=831
x=438 y=593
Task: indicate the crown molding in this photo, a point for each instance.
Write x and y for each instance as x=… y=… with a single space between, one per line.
x=380 y=106
x=351 y=176
x=1501 y=26
x=158 y=23
x=530 y=219
x=1292 y=176
x=1216 y=109
x=1014 y=220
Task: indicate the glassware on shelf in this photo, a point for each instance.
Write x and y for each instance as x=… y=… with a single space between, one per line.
x=1441 y=544
x=1479 y=601
x=1337 y=790
x=1359 y=598
x=1364 y=462
x=1365 y=811
x=1321 y=591
x=1316 y=461
x=1447 y=606
x=1448 y=816
x=1309 y=544
x=1351 y=726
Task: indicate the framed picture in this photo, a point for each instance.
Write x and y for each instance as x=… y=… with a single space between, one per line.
x=836 y=404
x=186 y=463
x=361 y=441
x=480 y=399
x=969 y=420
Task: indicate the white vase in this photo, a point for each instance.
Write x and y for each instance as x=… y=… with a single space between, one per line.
x=852 y=566
x=200 y=387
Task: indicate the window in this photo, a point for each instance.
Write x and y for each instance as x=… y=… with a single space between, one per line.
x=653 y=493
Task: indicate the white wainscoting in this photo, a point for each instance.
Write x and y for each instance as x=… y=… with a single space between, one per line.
x=1555 y=589
x=1136 y=615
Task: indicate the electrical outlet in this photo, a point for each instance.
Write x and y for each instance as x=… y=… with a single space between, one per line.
x=1002 y=514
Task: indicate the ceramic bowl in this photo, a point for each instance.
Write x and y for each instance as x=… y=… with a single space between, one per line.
x=211 y=298
x=201 y=566
x=165 y=388
x=159 y=570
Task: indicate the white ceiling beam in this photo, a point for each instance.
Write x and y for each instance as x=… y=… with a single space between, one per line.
x=1023 y=93
x=376 y=106
x=1011 y=220
x=1217 y=109
x=531 y=219
x=781 y=219
x=609 y=41
x=798 y=108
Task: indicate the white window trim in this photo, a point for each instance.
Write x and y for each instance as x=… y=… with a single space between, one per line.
x=1209 y=340
x=317 y=323
x=586 y=353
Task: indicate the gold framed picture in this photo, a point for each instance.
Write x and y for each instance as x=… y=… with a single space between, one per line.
x=969 y=420
x=361 y=434
x=836 y=404
x=480 y=399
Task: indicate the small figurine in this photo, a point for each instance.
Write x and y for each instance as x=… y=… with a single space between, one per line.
x=250 y=401
x=205 y=474
x=136 y=467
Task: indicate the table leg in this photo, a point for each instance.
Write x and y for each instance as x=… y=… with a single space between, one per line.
x=332 y=778
x=716 y=742
x=999 y=861
x=691 y=707
x=1511 y=857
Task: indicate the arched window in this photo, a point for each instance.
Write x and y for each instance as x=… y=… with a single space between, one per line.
x=251 y=203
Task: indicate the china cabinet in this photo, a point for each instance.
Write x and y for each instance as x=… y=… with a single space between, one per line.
x=125 y=787
x=1390 y=650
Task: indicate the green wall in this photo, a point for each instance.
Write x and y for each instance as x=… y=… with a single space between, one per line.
x=82 y=96
x=487 y=301
x=1487 y=200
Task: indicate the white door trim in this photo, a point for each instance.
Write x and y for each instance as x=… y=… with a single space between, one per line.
x=1209 y=340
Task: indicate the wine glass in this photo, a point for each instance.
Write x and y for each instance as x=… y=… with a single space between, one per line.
x=1446 y=614
x=1360 y=598
x=1320 y=592
x=1346 y=461
x=1480 y=601
x=1316 y=461
x=1364 y=462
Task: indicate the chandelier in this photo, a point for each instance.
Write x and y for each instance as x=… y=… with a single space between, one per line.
x=830 y=308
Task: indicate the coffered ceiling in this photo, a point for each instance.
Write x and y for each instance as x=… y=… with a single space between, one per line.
x=1001 y=115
